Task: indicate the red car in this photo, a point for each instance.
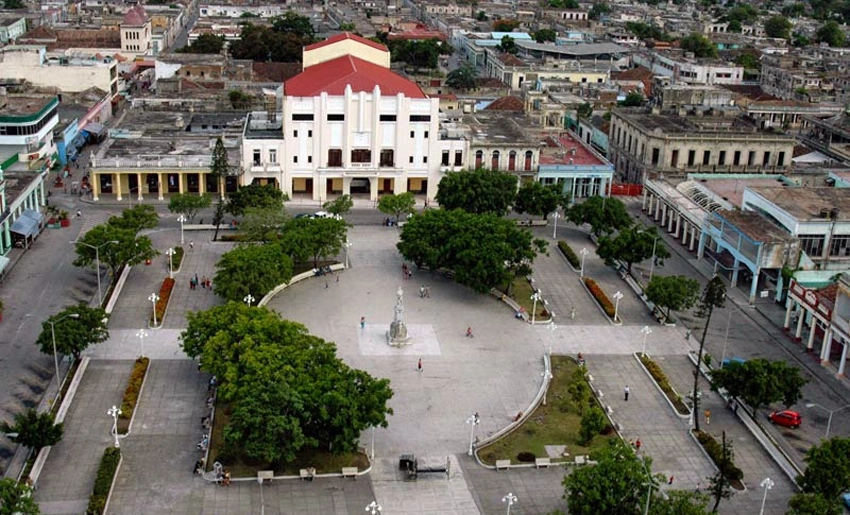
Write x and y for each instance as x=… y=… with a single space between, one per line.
x=786 y=418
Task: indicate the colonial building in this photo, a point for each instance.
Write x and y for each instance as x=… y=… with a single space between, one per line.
x=136 y=31
x=69 y=74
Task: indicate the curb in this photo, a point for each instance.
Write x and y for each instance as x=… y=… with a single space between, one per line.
x=339 y=267
x=657 y=387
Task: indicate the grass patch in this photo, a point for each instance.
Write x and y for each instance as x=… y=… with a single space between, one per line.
x=103 y=481
x=568 y=253
x=661 y=380
x=558 y=423
x=241 y=466
x=521 y=292
x=131 y=394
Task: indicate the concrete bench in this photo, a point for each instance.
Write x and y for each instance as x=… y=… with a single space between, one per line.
x=349 y=472
x=581 y=460
x=542 y=462
x=503 y=464
x=265 y=475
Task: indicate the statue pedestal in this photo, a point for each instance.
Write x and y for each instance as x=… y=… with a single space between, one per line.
x=397 y=335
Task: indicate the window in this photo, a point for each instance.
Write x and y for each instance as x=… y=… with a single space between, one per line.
x=411 y=159
x=736 y=158
x=273 y=155
x=780 y=161
x=336 y=117
x=387 y=157
x=426 y=134
x=839 y=246
x=294 y=134
x=387 y=117
x=295 y=159
x=420 y=118
x=458 y=158
x=309 y=159
x=656 y=153
x=692 y=154
x=412 y=134
x=512 y=161
x=257 y=157
x=425 y=159
x=445 y=161
x=721 y=158
x=494 y=160
x=302 y=117
x=528 y=157
x=765 y=160
x=706 y=157
x=361 y=155
x=479 y=159
x=335 y=157
x=751 y=158
x=812 y=245
x=309 y=134
x=674 y=159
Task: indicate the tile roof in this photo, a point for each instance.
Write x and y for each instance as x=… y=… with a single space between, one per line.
x=508 y=103
x=511 y=60
x=333 y=76
x=343 y=36
x=639 y=73
x=135 y=17
x=275 y=72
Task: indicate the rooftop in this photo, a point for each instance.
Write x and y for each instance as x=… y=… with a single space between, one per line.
x=24 y=106
x=497 y=128
x=564 y=149
x=755 y=226
x=808 y=204
x=673 y=124
x=342 y=37
x=332 y=77
x=731 y=189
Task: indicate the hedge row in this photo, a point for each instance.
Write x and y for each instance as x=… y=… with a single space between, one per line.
x=164 y=295
x=177 y=258
x=715 y=450
x=661 y=379
x=134 y=387
x=569 y=254
x=103 y=482
x=600 y=296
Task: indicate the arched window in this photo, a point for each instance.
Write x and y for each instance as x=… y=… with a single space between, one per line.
x=479 y=159
x=512 y=160
x=494 y=162
x=528 y=156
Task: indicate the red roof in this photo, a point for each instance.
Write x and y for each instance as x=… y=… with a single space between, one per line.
x=332 y=76
x=570 y=152
x=343 y=36
x=136 y=16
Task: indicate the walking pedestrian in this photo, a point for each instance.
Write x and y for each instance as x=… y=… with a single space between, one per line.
x=204 y=282
x=422 y=291
x=326 y=285
x=419 y=365
x=707 y=414
x=362 y=322
x=670 y=481
x=191 y=246
x=79 y=214
x=337 y=278
x=637 y=445
x=469 y=332
x=626 y=393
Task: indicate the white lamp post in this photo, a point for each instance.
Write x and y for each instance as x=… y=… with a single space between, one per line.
x=726 y=338
x=170 y=253
x=53 y=337
x=347 y=246
x=584 y=252
x=142 y=334
x=372 y=454
x=510 y=499
x=97 y=264
x=473 y=421
x=617 y=297
x=654 y=243
x=555 y=217
x=114 y=412
x=374 y=508
x=547 y=376
x=831 y=413
x=154 y=298
x=646 y=332
x=552 y=329
x=248 y=299
x=182 y=220
x=767 y=484
x=534 y=297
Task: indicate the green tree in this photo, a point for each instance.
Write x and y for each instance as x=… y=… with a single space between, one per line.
x=484 y=251
x=579 y=391
x=463 y=78
x=262 y=224
x=760 y=382
x=339 y=206
x=397 y=205
x=219 y=169
x=507 y=45
x=700 y=45
x=477 y=191
x=584 y=110
x=647 y=31
x=713 y=296
x=742 y=13
x=544 y=35
x=616 y=484
x=481 y=16
x=592 y=422
x=564 y=4
x=538 y=199
x=795 y=10
x=293 y=23
x=831 y=34
x=76 y=328
x=735 y=27
x=598 y=10
x=813 y=504
x=632 y=245
x=505 y=25
x=256 y=196
x=136 y=218
x=251 y=269
x=672 y=292
x=827 y=468
x=777 y=27
x=633 y=99
x=800 y=40
x=679 y=502
x=604 y=215
x=16 y=498
x=748 y=60
x=205 y=44
x=129 y=249
x=719 y=488
x=34 y=430
x=188 y=204
x=313 y=238
x=419 y=54
x=347 y=27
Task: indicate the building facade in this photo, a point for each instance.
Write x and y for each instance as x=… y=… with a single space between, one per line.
x=31 y=63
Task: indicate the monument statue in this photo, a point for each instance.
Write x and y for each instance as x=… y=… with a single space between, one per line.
x=397 y=334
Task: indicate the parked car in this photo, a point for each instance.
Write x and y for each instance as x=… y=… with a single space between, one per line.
x=845 y=497
x=786 y=418
x=325 y=214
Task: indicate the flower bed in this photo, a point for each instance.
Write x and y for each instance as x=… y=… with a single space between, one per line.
x=660 y=378
x=177 y=258
x=103 y=482
x=600 y=296
x=568 y=253
x=131 y=394
x=724 y=463
x=162 y=303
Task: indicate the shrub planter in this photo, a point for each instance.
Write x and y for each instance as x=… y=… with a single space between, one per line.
x=162 y=303
x=569 y=255
x=177 y=259
x=715 y=452
x=660 y=379
x=132 y=394
x=602 y=300
x=105 y=480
